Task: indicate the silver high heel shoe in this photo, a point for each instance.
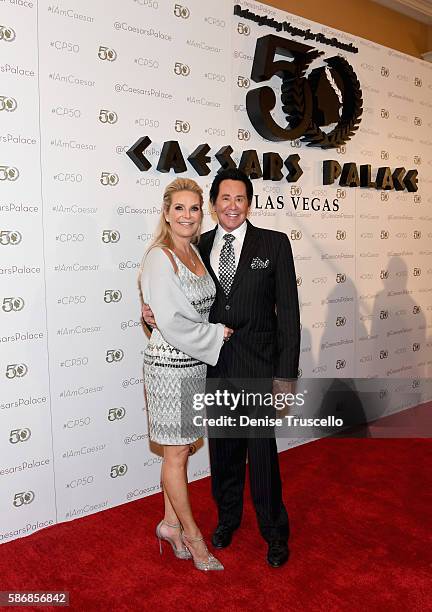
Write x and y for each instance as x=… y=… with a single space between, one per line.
x=180 y=554
x=211 y=564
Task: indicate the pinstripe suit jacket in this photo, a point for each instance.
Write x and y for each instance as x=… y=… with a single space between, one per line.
x=262 y=308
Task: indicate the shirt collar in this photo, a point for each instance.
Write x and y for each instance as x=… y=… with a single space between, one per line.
x=239 y=233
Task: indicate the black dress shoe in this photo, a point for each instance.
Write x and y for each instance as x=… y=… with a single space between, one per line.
x=278 y=553
x=222 y=536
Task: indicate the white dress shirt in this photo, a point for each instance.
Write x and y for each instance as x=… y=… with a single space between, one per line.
x=239 y=234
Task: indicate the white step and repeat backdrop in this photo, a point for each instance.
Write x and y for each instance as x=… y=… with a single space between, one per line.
x=80 y=83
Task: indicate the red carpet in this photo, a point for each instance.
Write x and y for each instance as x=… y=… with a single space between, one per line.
x=360 y=512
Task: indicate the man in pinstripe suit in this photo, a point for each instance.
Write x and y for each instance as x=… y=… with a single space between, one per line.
x=256 y=295
x=261 y=304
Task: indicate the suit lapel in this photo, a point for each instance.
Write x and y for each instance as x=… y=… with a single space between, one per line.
x=205 y=246
x=249 y=247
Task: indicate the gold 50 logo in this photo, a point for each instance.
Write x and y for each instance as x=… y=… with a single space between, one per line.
x=243 y=29
x=107 y=54
x=243 y=82
x=114 y=355
x=7 y=104
x=19 y=435
x=7 y=34
x=12 y=304
x=118 y=470
x=107 y=116
x=16 y=370
x=116 y=414
x=110 y=236
x=181 y=69
x=181 y=11
x=182 y=126
x=109 y=178
x=8 y=173
x=8 y=237
x=243 y=134
x=23 y=498
x=112 y=295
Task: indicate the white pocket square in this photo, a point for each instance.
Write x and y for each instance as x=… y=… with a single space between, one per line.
x=258 y=263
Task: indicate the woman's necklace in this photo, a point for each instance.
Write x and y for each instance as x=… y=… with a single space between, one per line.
x=191 y=257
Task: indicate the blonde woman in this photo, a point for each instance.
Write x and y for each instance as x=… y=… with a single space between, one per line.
x=180 y=292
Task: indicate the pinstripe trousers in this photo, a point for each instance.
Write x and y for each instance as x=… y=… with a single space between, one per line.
x=228 y=470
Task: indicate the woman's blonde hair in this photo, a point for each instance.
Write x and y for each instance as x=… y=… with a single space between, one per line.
x=163 y=232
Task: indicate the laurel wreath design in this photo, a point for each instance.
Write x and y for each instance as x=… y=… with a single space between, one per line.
x=352 y=109
x=293 y=87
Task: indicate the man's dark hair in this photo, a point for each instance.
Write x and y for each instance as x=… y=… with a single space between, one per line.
x=232 y=174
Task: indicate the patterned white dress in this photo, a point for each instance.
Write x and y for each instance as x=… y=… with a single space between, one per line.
x=176 y=355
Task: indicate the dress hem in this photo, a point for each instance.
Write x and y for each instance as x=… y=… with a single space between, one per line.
x=170 y=443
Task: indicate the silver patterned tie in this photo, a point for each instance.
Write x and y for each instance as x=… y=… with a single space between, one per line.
x=227 y=265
